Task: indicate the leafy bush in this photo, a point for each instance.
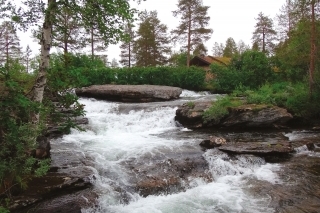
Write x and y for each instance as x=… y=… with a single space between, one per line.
x=294 y=97
x=74 y=73
x=251 y=69
x=17 y=133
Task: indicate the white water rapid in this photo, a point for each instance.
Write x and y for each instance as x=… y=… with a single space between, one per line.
x=122 y=136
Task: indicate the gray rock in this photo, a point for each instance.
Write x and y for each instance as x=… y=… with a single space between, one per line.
x=256 y=116
x=245 y=116
x=130 y=93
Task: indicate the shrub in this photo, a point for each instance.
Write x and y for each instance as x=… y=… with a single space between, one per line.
x=17 y=133
x=219 y=109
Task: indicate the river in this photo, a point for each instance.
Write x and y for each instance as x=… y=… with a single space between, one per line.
x=145 y=162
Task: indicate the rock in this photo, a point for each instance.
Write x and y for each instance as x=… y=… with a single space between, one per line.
x=245 y=116
x=190 y=115
x=256 y=116
x=213 y=142
x=130 y=93
x=258 y=148
x=58 y=189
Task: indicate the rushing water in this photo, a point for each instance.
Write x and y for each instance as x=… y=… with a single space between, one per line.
x=125 y=144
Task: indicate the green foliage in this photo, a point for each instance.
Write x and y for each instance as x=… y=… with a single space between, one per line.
x=81 y=72
x=191 y=104
x=294 y=97
x=219 y=109
x=17 y=133
x=293 y=55
x=4 y=210
x=251 y=69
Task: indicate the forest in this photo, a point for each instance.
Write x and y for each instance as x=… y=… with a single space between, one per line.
x=280 y=67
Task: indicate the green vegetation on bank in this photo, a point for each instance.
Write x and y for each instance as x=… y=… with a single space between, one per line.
x=265 y=80
x=82 y=71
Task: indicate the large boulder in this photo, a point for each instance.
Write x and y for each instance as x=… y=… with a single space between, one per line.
x=245 y=116
x=130 y=93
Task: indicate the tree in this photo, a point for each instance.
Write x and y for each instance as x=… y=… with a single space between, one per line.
x=127 y=56
x=109 y=18
x=200 y=49
x=192 y=29
x=27 y=58
x=217 y=49
x=67 y=31
x=114 y=63
x=264 y=34
x=9 y=43
x=242 y=47
x=230 y=48
x=151 y=46
x=286 y=20
x=178 y=59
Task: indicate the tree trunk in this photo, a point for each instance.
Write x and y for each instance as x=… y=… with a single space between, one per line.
x=46 y=38
x=92 y=44
x=189 y=39
x=313 y=48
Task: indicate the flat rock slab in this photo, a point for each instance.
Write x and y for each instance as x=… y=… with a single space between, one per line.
x=130 y=93
x=258 y=148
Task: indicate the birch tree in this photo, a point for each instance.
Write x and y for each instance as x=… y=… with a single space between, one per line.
x=192 y=30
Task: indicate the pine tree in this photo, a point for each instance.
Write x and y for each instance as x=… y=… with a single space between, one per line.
x=151 y=46
x=200 y=49
x=127 y=56
x=286 y=20
x=27 y=58
x=264 y=34
x=230 y=48
x=68 y=34
x=192 y=29
x=9 y=43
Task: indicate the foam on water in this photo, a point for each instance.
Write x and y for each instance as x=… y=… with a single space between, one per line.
x=113 y=138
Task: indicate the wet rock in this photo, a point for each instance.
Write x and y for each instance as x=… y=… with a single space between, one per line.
x=256 y=116
x=245 y=116
x=130 y=93
x=190 y=115
x=167 y=175
x=213 y=142
x=61 y=191
x=258 y=148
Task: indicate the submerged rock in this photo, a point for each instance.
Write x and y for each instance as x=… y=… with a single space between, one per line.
x=258 y=148
x=130 y=93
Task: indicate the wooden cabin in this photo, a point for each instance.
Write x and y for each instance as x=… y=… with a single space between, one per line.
x=205 y=61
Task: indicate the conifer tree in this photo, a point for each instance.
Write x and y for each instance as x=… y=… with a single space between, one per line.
x=68 y=34
x=127 y=56
x=230 y=48
x=9 y=43
x=192 y=29
x=27 y=58
x=264 y=34
x=151 y=47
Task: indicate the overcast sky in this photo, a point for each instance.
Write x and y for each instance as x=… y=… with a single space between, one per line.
x=229 y=18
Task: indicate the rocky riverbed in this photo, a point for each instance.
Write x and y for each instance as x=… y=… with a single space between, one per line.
x=137 y=158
